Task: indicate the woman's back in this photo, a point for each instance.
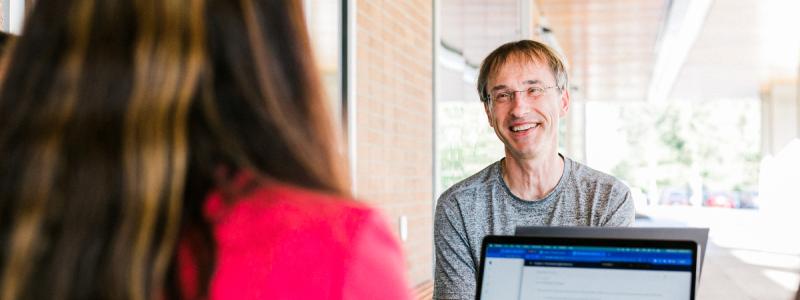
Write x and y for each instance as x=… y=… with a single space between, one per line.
x=284 y=242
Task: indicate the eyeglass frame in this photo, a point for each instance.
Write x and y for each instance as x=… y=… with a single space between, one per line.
x=513 y=93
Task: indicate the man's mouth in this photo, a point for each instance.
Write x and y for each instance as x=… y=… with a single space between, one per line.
x=524 y=127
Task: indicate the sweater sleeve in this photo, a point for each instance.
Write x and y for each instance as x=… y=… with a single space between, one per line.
x=455 y=271
x=621 y=212
x=376 y=269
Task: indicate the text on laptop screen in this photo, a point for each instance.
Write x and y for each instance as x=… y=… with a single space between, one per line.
x=585 y=272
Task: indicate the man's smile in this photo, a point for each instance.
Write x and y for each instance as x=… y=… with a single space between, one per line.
x=522 y=128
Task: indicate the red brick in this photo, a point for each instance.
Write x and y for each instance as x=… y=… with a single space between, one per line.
x=395 y=122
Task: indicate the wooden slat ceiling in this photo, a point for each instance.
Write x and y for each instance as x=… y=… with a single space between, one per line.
x=610 y=45
x=744 y=45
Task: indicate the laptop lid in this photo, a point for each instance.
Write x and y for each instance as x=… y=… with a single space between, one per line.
x=518 y=267
x=698 y=235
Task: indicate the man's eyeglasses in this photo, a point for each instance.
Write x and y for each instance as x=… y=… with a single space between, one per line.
x=506 y=96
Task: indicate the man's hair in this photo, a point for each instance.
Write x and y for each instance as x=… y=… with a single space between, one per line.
x=526 y=49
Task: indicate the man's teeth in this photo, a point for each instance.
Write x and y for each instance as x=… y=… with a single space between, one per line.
x=523 y=127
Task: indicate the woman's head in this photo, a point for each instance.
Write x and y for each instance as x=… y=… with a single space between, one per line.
x=117 y=116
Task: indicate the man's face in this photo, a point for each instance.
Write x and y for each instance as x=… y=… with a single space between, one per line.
x=527 y=125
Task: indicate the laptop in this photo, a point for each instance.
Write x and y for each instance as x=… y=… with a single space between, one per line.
x=519 y=267
x=698 y=235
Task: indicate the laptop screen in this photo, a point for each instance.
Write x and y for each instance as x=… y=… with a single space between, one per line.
x=698 y=235
x=543 y=268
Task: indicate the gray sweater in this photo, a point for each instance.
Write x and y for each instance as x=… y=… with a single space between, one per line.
x=483 y=204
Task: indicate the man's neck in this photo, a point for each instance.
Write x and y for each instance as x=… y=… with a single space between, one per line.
x=532 y=179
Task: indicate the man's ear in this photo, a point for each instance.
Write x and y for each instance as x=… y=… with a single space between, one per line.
x=564 y=102
x=488 y=112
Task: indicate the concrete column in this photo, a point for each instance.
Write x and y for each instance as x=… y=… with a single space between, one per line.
x=780 y=165
x=780 y=116
x=575 y=130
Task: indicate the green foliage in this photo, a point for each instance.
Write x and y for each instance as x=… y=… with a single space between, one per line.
x=715 y=140
x=465 y=141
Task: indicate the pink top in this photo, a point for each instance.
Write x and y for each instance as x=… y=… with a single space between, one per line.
x=282 y=242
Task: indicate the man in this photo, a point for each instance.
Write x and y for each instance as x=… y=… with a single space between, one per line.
x=524 y=90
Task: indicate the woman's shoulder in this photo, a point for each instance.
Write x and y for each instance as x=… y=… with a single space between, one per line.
x=281 y=207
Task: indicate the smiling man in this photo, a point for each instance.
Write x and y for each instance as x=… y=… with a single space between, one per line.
x=524 y=90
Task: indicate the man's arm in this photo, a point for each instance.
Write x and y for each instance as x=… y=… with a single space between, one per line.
x=455 y=270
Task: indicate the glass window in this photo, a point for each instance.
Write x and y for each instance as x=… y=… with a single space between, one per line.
x=324 y=25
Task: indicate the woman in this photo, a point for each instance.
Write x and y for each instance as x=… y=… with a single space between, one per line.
x=179 y=149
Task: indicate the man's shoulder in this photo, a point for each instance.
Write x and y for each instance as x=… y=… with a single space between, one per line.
x=610 y=197
x=473 y=184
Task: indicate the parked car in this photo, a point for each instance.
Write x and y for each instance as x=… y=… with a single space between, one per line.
x=748 y=199
x=675 y=196
x=722 y=199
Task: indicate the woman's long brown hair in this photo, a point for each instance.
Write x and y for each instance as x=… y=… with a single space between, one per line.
x=117 y=117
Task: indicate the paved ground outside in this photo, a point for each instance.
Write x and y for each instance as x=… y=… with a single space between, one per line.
x=751 y=254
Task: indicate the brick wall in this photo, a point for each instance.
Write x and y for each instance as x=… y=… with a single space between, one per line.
x=394 y=120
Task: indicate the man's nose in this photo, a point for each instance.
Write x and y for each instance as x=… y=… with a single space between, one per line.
x=520 y=105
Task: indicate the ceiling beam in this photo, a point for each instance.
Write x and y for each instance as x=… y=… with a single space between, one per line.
x=684 y=22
